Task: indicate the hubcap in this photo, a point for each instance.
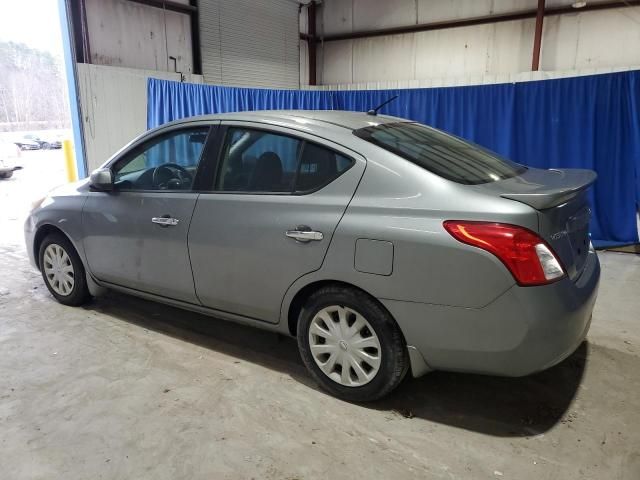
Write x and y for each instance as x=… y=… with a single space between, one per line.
x=344 y=346
x=58 y=269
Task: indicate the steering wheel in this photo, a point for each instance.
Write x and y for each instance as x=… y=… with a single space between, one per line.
x=171 y=176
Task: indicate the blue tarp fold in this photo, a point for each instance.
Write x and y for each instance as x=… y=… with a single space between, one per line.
x=579 y=122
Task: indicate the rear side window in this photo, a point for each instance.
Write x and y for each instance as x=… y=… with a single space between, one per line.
x=258 y=161
x=319 y=166
x=268 y=162
x=445 y=155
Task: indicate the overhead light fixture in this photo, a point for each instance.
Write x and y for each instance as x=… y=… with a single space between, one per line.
x=579 y=4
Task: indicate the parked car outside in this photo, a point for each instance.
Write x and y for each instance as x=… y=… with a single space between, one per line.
x=27 y=144
x=9 y=154
x=45 y=142
x=382 y=244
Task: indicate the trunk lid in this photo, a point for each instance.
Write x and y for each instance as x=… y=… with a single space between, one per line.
x=560 y=199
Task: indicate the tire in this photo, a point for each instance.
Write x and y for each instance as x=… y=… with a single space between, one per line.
x=6 y=175
x=56 y=257
x=375 y=378
x=45 y=146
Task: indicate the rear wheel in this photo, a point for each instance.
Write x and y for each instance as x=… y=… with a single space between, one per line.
x=62 y=270
x=351 y=345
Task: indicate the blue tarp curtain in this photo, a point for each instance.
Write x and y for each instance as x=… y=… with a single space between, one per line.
x=580 y=122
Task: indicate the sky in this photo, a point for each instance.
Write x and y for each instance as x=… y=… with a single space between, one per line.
x=33 y=22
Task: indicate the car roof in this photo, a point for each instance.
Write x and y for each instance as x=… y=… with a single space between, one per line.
x=328 y=118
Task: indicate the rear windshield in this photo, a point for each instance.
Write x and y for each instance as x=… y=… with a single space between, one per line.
x=443 y=154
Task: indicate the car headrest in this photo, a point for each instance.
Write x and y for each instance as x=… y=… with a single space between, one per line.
x=267 y=173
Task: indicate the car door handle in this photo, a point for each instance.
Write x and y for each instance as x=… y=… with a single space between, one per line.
x=304 y=234
x=165 y=221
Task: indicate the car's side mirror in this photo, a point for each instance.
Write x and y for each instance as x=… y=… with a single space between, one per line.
x=102 y=179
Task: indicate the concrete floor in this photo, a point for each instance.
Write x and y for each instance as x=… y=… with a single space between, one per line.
x=127 y=389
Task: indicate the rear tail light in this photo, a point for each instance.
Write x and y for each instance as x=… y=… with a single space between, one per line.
x=527 y=256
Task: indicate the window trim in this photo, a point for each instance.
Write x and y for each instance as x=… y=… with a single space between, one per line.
x=144 y=145
x=222 y=139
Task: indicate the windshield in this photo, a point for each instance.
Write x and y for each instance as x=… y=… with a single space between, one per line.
x=445 y=155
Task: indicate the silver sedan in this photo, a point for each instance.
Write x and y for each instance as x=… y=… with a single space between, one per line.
x=383 y=245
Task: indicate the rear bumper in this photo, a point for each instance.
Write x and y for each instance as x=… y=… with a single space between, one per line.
x=523 y=331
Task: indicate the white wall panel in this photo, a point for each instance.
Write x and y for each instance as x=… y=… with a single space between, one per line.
x=591 y=40
x=430 y=11
x=511 y=47
x=335 y=16
x=486 y=79
x=127 y=34
x=466 y=51
x=382 y=58
x=114 y=107
x=577 y=41
x=337 y=60
x=368 y=15
x=495 y=48
x=340 y=16
x=250 y=42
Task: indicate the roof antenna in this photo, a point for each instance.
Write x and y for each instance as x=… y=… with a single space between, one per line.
x=374 y=111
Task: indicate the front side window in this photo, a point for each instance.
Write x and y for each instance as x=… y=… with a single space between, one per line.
x=445 y=155
x=169 y=162
x=269 y=162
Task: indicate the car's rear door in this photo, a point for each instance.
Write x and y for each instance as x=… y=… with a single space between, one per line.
x=136 y=236
x=276 y=201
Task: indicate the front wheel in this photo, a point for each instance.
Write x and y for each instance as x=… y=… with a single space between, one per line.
x=62 y=270
x=351 y=345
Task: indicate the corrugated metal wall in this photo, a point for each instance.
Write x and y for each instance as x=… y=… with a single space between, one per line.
x=250 y=42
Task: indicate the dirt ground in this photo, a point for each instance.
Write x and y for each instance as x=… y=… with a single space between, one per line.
x=128 y=389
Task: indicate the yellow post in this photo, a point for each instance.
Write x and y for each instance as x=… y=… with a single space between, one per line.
x=69 y=160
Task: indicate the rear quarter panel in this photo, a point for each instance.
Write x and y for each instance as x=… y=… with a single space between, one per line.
x=401 y=203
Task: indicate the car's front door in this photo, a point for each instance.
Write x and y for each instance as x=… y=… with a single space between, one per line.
x=136 y=236
x=276 y=201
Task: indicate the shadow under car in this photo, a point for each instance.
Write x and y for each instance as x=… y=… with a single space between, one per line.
x=498 y=406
